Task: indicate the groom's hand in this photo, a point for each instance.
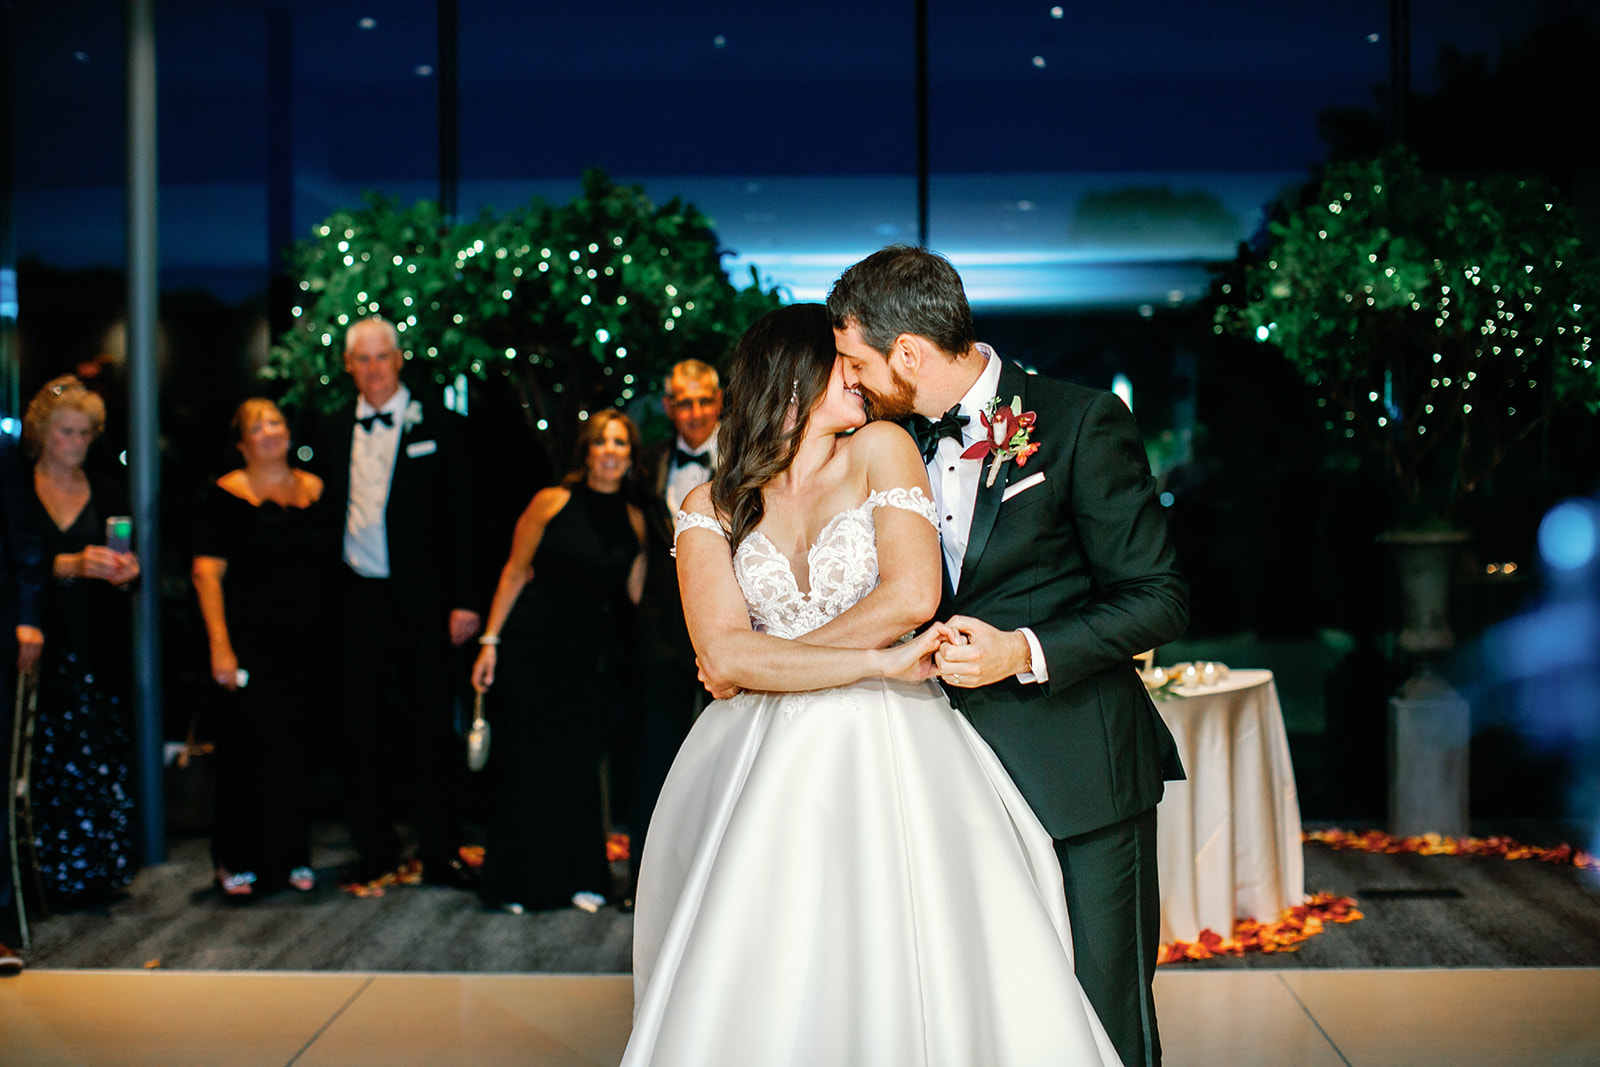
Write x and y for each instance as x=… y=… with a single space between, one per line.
x=983 y=655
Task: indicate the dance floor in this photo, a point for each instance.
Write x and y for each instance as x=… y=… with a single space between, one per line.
x=1378 y=1016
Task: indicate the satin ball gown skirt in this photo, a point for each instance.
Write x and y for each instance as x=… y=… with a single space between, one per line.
x=850 y=877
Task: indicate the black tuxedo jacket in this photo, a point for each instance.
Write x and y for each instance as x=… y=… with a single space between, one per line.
x=1083 y=559
x=663 y=636
x=430 y=516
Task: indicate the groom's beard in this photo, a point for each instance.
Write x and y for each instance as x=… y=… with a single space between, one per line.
x=898 y=405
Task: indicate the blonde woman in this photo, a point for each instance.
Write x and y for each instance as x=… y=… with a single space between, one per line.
x=82 y=788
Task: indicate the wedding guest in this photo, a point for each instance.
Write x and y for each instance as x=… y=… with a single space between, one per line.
x=21 y=641
x=554 y=650
x=82 y=784
x=668 y=690
x=261 y=552
x=693 y=401
x=399 y=479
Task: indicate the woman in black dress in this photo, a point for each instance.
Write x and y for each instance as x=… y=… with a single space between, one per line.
x=82 y=787
x=555 y=648
x=260 y=553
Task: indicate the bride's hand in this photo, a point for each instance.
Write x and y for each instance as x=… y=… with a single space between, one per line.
x=718 y=688
x=912 y=661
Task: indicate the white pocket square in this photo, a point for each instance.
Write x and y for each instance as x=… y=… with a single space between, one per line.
x=422 y=448
x=1027 y=483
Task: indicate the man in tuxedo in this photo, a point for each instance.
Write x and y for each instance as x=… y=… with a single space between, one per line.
x=1058 y=571
x=396 y=467
x=668 y=689
x=22 y=575
x=693 y=401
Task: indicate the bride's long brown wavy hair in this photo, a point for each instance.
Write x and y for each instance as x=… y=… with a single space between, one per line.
x=780 y=370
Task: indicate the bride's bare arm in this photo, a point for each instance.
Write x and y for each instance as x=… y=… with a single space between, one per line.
x=909 y=564
x=732 y=654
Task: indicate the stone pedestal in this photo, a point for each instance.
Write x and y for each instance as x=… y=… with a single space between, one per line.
x=1430 y=727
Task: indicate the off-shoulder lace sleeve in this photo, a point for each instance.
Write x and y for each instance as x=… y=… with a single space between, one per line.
x=907 y=499
x=692 y=520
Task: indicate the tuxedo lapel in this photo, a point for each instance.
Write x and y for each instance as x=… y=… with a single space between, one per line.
x=414 y=429
x=658 y=517
x=338 y=440
x=1013 y=382
x=664 y=469
x=413 y=432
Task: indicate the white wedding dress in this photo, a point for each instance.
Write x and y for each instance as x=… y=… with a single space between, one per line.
x=848 y=877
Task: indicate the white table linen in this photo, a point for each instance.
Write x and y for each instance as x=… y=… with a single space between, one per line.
x=1228 y=839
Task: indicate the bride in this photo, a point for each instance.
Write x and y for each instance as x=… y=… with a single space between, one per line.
x=838 y=871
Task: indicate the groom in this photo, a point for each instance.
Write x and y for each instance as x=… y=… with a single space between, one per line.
x=1057 y=572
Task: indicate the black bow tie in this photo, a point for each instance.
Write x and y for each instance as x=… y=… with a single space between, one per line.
x=377 y=416
x=680 y=458
x=929 y=433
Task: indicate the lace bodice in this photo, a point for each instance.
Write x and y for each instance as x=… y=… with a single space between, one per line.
x=843 y=564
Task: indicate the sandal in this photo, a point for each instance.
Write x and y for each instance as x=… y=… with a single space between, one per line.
x=303 y=880
x=239 y=886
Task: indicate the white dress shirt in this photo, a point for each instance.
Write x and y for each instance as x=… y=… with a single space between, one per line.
x=682 y=479
x=955 y=483
x=372 y=458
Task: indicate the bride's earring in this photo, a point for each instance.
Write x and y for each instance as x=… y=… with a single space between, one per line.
x=794 y=392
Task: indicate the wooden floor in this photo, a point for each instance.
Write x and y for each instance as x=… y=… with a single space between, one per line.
x=1421 y=911
x=1460 y=1017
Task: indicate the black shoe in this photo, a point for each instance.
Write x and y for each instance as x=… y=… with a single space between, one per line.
x=452 y=874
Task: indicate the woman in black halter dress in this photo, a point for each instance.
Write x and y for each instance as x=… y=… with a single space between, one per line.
x=555 y=649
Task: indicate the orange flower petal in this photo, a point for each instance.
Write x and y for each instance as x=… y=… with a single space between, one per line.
x=1286 y=934
x=1433 y=844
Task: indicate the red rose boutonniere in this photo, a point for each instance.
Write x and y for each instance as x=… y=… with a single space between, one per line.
x=1010 y=435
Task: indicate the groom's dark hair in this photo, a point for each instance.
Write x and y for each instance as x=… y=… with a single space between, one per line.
x=901 y=289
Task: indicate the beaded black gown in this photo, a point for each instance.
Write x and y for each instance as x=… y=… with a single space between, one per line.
x=274 y=597
x=559 y=684
x=82 y=779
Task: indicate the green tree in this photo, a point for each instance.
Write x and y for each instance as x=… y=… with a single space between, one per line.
x=583 y=305
x=1443 y=320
